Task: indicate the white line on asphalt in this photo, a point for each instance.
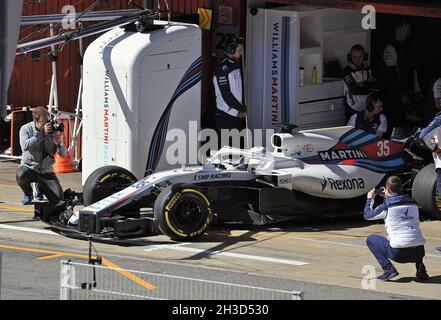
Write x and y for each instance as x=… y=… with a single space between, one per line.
x=355 y=245
x=333 y=242
x=12 y=203
x=2 y=226
x=165 y=246
x=179 y=247
x=211 y=252
x=236 y=255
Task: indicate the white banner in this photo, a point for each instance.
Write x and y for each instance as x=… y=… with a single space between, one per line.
x=10 y=14
x=278 y=86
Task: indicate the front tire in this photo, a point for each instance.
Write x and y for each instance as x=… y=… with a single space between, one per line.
x=104 y=182
x=424 y=191
x=182 y=212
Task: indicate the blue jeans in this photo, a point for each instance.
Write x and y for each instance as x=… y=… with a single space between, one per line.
x=49 y=184
x=381 y=249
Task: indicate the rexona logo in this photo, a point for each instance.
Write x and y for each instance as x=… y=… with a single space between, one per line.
x=338 y=155
x=341 y=185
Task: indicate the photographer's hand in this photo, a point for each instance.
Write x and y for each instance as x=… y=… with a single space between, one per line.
x=48 y=129
x=371 y=194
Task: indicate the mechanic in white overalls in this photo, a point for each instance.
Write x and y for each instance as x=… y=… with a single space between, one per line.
x=432 y=137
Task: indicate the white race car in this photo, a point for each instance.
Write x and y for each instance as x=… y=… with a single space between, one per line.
x=309 y=172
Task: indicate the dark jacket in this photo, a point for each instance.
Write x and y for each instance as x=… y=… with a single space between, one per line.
x=359 y=83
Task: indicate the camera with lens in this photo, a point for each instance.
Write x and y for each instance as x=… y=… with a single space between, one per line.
x=380 y=192
x=56 y=127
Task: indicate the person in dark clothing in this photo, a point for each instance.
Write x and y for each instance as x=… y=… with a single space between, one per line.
x=231 y=110
x=437 y=94
x=405 y=242
x=359 y=81
x=431 y=135
x=372 y=119
x=39 y=144
x=401 y=79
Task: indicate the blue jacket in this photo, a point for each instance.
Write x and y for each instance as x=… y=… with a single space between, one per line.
x=401 y=216
x=430 y=136
x=436 y=122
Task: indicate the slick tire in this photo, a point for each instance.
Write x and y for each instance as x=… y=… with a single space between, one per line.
x=104 y=182
x=424 y=191
x=182 y=212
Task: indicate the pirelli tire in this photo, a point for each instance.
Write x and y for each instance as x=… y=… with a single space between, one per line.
x=424 y=191
x=182 y=212
x=104 y=182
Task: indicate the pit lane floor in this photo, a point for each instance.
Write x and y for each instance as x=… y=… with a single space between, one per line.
x=326 y=258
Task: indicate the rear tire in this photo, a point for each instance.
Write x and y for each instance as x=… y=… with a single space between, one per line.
x=104 y=182
x=182 y=212
x=424 y=191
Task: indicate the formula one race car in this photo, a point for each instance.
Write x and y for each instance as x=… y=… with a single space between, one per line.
x=309 y=172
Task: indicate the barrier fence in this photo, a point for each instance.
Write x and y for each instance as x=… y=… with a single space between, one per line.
x=88 y=282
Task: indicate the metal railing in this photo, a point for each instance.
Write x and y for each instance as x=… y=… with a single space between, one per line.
x=89 y=282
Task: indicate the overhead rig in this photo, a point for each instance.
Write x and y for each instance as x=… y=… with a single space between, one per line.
x=112 y=20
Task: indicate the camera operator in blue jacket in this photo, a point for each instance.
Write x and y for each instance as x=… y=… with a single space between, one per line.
x=405 y=242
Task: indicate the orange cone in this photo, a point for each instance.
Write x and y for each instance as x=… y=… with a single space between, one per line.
x=63 y=165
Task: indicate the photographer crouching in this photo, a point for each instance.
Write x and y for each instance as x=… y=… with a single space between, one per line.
x=40 y=140
x=405 y=242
